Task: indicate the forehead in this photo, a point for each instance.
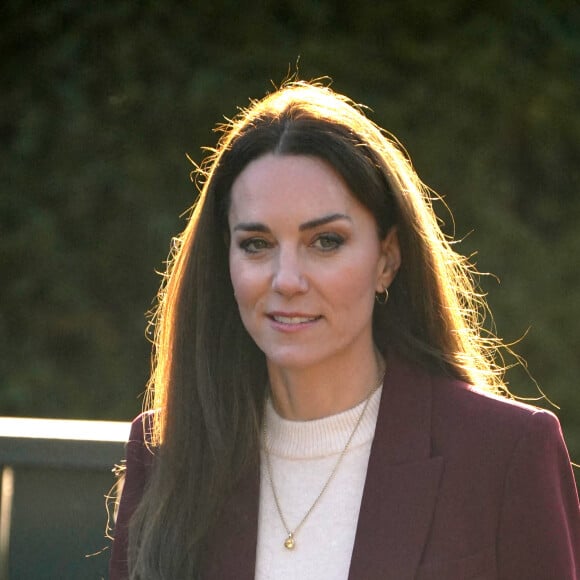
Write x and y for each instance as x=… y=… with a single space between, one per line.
x=292 y=184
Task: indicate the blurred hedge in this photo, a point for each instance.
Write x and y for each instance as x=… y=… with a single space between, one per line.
x=101 y=101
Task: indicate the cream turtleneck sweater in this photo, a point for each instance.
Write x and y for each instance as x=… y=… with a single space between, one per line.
x=303 y=454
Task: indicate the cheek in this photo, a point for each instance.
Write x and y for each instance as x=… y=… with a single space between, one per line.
x=236 y=269
x=245 y=282
x=240 y=288
x=354 y=285
x=234 y=274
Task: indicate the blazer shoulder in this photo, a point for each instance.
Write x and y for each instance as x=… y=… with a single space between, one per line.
x=465 y=415
x=139 y=461
x=142 y=428
x=461 y=398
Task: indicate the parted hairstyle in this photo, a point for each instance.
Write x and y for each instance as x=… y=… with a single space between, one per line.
x=209 y=379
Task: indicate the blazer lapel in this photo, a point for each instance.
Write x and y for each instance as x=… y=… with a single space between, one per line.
x=402 y=481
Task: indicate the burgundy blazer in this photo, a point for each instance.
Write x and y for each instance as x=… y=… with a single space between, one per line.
x=460 y=486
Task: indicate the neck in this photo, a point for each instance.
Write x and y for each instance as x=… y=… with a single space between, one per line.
x=303 y=394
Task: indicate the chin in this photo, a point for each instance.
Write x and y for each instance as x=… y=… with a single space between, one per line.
x=294 y=360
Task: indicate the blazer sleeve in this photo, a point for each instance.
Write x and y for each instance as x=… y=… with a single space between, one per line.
x=138 y=465
x=539 y=529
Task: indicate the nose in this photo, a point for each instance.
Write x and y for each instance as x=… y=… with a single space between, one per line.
x=288 y=276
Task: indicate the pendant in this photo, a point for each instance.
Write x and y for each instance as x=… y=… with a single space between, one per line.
x=289 y=542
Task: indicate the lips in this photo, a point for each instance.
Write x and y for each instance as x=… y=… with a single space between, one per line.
x=293 y=318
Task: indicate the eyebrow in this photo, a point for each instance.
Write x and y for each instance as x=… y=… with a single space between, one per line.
x=321 y=221
x=309 y=225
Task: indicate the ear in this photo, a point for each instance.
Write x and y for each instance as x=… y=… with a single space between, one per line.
x=390 y=260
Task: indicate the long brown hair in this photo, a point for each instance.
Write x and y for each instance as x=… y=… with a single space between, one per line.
x=209 y=378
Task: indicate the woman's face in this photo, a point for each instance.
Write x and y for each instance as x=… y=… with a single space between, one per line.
x=305 y=261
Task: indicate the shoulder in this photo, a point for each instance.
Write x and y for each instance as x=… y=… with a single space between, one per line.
x=469 y=408
x=461 y=421
x=453 y=409
x=141 y=428
x=514 y=449
x=139 y=452
x=468 y=421
x=139 y=460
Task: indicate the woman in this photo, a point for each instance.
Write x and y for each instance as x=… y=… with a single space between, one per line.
x=323 y=402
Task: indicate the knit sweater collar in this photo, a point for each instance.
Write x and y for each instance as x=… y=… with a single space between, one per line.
x=320 y=437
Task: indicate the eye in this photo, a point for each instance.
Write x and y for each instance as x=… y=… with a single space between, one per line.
x=328 y=242
x=254 y=245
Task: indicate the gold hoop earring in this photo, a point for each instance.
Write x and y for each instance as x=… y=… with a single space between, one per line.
x=383 y=297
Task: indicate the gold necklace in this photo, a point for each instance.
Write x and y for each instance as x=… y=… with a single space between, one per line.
x=290 y=540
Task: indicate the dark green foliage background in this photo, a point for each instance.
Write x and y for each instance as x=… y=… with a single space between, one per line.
x=100 y=102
